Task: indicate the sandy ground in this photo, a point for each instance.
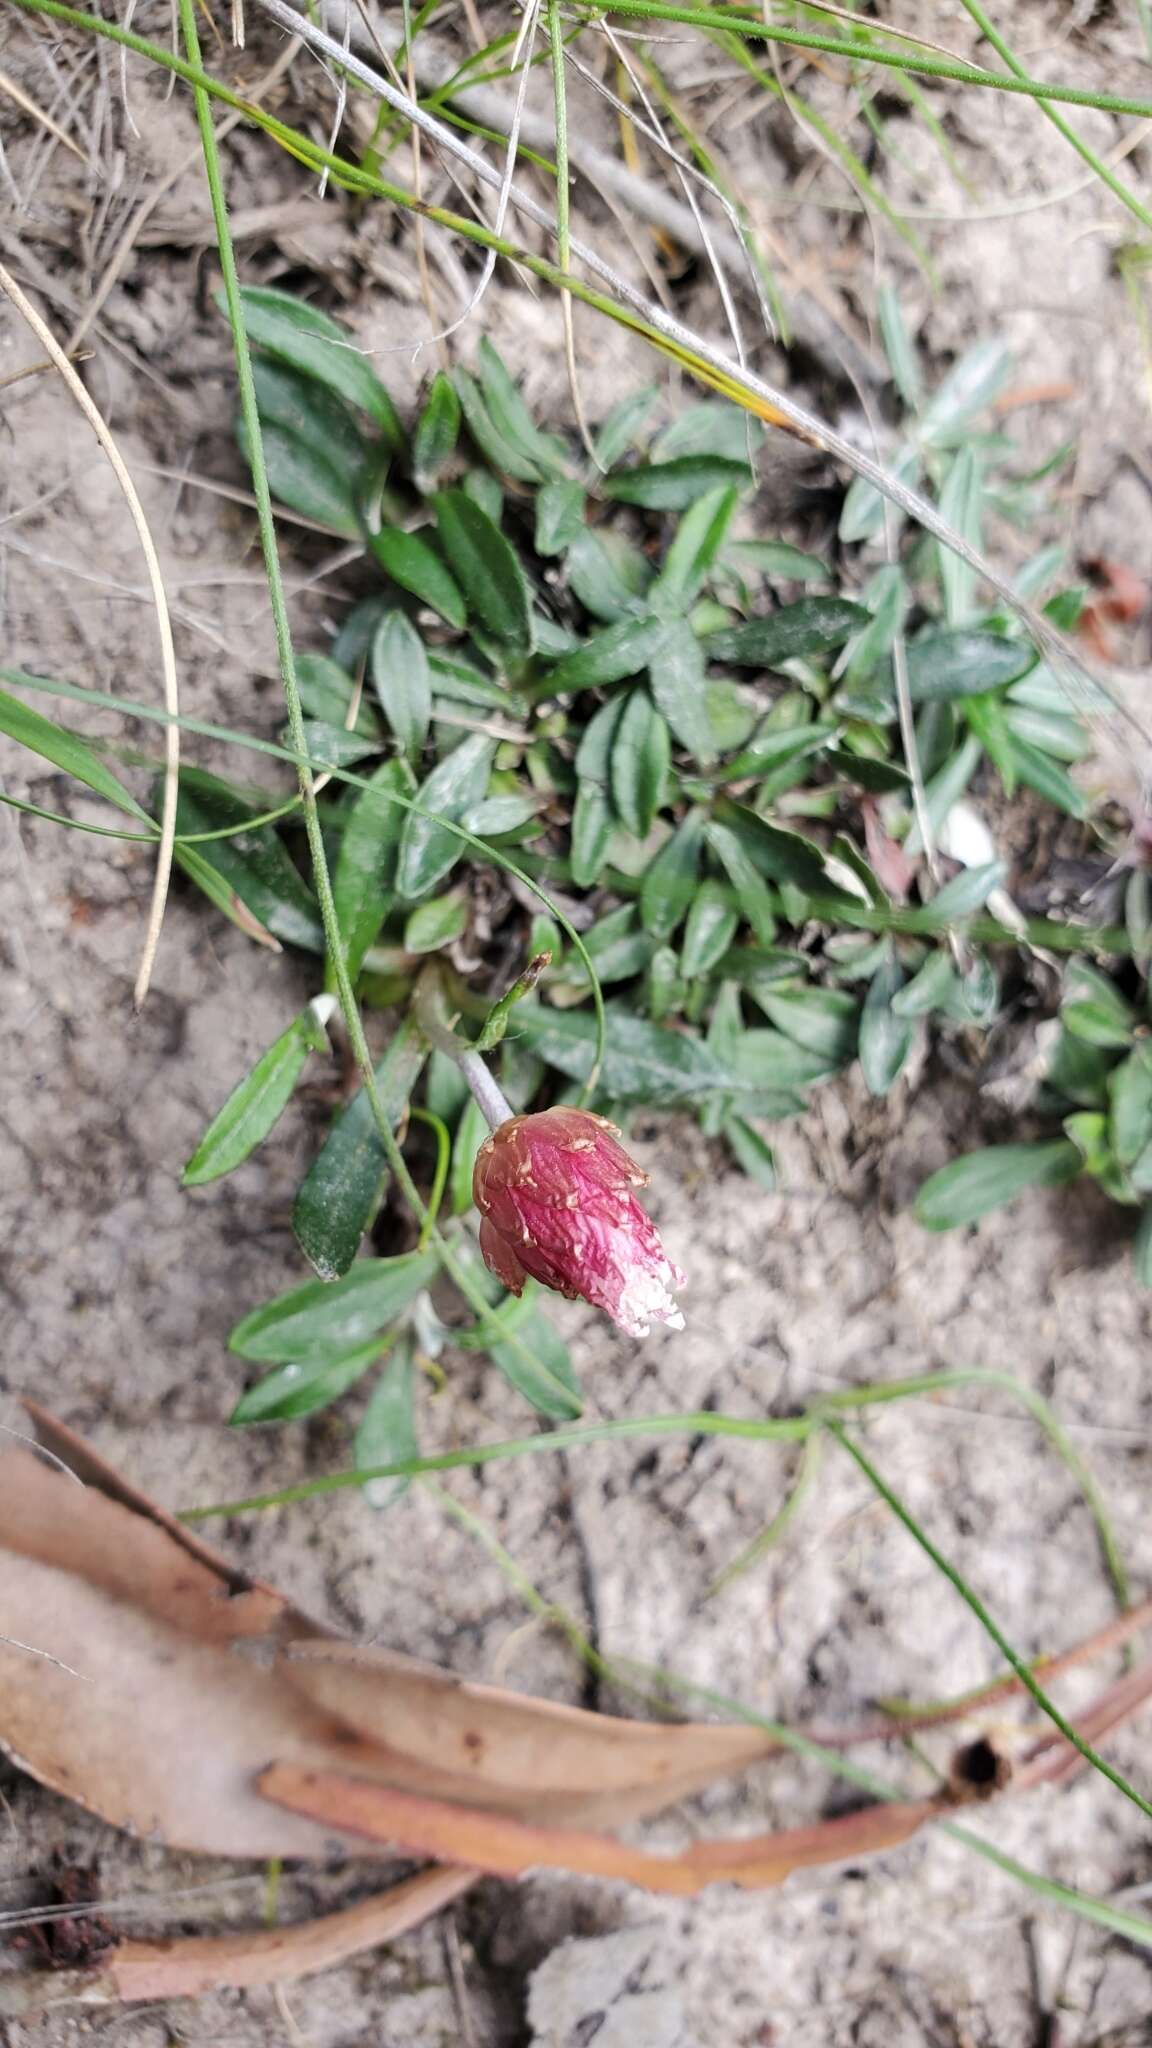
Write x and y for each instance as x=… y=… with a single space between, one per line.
x=119 y=1289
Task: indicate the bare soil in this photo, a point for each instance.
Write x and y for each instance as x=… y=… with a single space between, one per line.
x=119 y=1288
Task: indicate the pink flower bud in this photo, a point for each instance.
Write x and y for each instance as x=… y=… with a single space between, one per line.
x=555 y=1195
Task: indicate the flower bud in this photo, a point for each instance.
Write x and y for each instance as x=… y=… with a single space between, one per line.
x=556 y=1198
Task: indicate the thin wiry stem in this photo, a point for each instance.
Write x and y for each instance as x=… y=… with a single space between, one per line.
x=103 y=434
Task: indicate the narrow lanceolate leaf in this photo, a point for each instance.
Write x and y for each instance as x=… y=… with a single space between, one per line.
x=968 y=1188
x=1045 y=775
x=823 y=1020
x=623 y=424
x=254 y=866
x=339 y=1194
x=969 y=890
x=364 y=874
x=672 y=486
x=387 y=1433
x=698 y=540
x=677 y=680
x=960 y=504
x=1130 y=1095
x=307 y=412
x=427 y=850
x=308 y=340
x=755 y=898
x=712 y=925
x=486 y=569
x=751 y=1151
x=780 y=856
x=592 y=827
x=65 y=750
x=1094 y=1009
x=641 y=755
x=885 y=1036
x=471 y=1132
x=254 y=1106
x=303 y=1388
x=437 y=431
x=326 y=692
x=334 y=1316
x=810 y=626
x=435 y=924
x=534 y=1359
x=642 y=1061
x=559 y=515
x=508 y=411
x=608 y=657
x=302 y=476
x=670 y=880
x=497 y=447
x=961 y=662
x=409 y=560
x=399 y=669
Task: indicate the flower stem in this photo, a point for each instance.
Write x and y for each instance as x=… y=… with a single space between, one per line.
x=432 y=1017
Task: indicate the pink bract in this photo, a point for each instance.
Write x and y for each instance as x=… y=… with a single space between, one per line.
x=556 y=1195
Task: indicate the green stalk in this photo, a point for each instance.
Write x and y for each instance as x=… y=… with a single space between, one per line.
x=463 y=1279
x=1116 y=186
x=972 y=1601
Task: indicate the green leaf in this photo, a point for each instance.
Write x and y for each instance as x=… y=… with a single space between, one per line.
x=301 y=477
x=777 y=560
x=752 y=1152
x=711 y=927
x=326 y=692
x=780 y=856
x=471 y=1132
x=326 y=1316
x=498 y=448
x=608 y=657
x=863 y=514
x=810 y=626
x=887 y=597
x=986 y=717
x=596 y=575
x=340 y=1193
x=676 y=678
x=416 y=567
x=254 y=866
x=399 y=669
x=65 y=750
x=669 y=882
x=641 y=1061
x=771 y=1064
x=641 y=755
x=387 y=1432
x=755 y=898
x=969 y=1187
x=592 y=828
x=594 y=753
x=898 y=348
x=333 y=746
x=1078 y=1072
x=672 y=486
x=698 y=540
x=486 y=569
x=963 y=661
x=303 y=1387
x=710 y=428
x=617 y=947
x=776 y=747
x=437 y=432
x=308 y=340
x=507 y=409
x=971 y=385
x=559 y=515
x=622 y=424
x=254 y=1106
x=885 y=1036
x=822 y=1020
x=969 y=890
x=945 y=788
x=932 y=988
x=1043 y=774
x=533 y=1345
x=433 y=925
x=1130 y=1096
x=365 y=867
x=961 y=500
x=494 y=816
x=461 y=683
x=1094 y=1009
x=1052 y=734
x=307 y=412
x=427 y=851
x=1088 y=1130
x=481 y=486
